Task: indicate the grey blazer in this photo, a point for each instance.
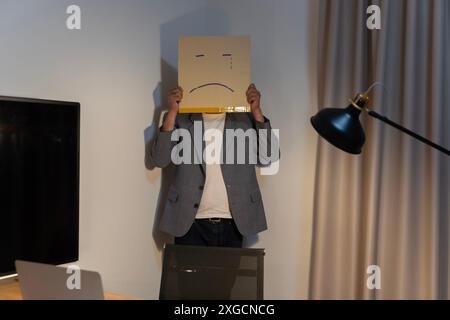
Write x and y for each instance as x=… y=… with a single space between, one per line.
x=186 y=190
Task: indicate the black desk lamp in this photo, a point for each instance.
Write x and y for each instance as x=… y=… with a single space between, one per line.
x=341 y=127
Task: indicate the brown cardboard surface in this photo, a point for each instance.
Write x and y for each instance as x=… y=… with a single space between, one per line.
x=214 y=72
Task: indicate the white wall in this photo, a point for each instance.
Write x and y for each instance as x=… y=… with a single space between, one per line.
x=113 y=67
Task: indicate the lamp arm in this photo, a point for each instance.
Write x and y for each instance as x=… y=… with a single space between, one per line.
x=407 y=131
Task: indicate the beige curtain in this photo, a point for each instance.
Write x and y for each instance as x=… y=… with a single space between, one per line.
x=389 y=206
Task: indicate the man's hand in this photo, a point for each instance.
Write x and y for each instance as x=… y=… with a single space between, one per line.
x=173 y=101
x=254 y=99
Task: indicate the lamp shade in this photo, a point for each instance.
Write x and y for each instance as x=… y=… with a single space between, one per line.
x=341 y=127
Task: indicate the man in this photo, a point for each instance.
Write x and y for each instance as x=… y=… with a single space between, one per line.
x=213 y=204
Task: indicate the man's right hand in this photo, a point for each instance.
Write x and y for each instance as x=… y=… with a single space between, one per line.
x=173 y=100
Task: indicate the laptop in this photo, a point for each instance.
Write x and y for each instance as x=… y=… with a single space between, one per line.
x=47 y=282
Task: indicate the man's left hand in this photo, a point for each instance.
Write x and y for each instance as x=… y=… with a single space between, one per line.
x=254 y=99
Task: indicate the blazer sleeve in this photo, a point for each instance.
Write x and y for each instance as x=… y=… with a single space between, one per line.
x=268 y=142
x=162 y=146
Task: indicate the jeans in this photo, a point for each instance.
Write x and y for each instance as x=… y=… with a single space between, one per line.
x=206 y=232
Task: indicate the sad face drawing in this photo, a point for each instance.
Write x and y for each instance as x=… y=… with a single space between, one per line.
x=215 y=73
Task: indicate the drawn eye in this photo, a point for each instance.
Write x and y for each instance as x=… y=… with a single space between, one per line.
x=229 y=55
x=199 y=55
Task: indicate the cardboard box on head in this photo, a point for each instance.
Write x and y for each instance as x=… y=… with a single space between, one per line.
x=214 y=72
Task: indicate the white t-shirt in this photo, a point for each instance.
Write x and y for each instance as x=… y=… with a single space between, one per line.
x=214 y=202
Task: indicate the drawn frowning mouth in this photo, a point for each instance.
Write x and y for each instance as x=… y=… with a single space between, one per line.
x=212 y=84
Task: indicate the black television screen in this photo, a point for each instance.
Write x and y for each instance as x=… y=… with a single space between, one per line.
x=39 y=181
